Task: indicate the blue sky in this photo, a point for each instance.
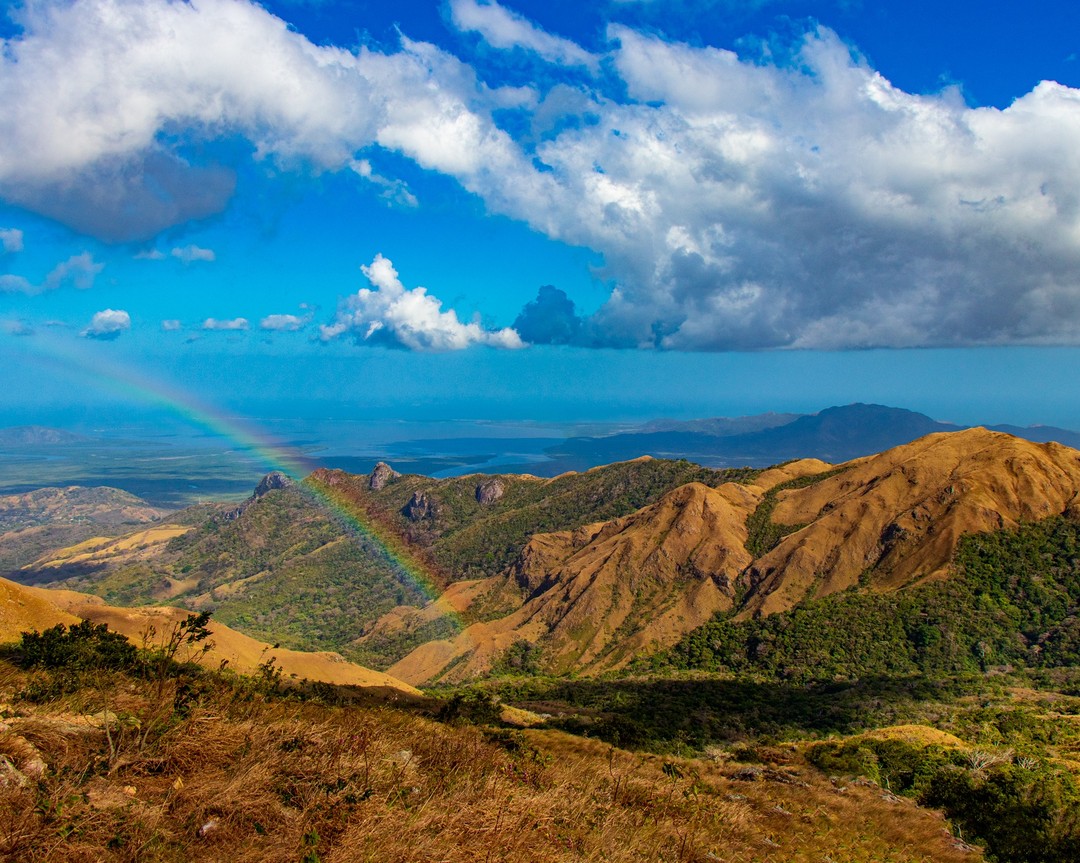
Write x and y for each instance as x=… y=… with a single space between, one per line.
x=738 y=207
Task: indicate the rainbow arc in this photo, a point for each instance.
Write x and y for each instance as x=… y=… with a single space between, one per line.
x=342 y=504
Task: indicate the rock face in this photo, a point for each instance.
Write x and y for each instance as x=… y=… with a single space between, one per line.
x=420 y=506
x=489 y=491
x=381 y=476
x=271 y=482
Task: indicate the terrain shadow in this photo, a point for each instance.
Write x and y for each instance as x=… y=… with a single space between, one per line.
x=675 y=713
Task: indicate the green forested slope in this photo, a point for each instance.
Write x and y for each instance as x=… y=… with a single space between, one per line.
x=1014 y=602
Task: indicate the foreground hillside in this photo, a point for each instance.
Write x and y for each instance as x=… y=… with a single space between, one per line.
x=208 y=770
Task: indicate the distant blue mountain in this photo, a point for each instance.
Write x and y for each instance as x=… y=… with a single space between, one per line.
x=835 y=434
x=20 y=436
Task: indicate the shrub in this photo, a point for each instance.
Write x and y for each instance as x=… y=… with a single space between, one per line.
x=81 y=647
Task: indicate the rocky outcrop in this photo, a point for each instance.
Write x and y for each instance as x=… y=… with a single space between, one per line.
x=381 y=476
x=490 y=490
x=420 y=506
x=271 y=482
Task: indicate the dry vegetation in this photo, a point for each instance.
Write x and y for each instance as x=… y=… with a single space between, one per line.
x=98 y=549
x=217 y=769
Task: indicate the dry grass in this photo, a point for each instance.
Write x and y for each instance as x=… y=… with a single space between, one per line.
x=22 y=609
x=244 y=778
x=106 y=548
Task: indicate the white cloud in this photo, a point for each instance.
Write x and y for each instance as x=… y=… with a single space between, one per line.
x=78 y=271
x=503 y=28
x=388 y=314
x=742 y=206
x=737 y=204
x=283 y=323
x=118 y=77
x=11 y=240
x=233 y=324
x=396 y=191
x=216 y=64
x=191 y=254
x=107 y=325
x=171 y=325
x=12 y=284
x=150 y=255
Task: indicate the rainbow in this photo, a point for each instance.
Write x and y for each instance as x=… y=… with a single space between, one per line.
x=347 y=508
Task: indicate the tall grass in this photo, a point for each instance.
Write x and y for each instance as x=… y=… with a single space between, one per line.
x=239 y=775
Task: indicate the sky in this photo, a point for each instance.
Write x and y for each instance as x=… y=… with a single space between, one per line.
x=521 y=210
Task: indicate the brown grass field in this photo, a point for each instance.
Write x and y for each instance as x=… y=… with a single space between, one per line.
x=115 y=772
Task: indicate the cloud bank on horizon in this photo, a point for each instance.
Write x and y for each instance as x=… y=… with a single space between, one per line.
x=794 y=200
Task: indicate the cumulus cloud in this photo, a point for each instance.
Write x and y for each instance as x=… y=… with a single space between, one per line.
x=121 y=79
x=283 y=323
x=745 y=205
x=107 y=325
x=11 y=240
x=396 y=191
x=387 y=314
x=171 y=325
x=78 y=271
x=738 y=203
x=550 y=319
x=192 y=254
x=502 y=28
x=233 y=324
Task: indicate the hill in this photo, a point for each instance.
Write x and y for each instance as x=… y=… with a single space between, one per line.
x=20 y=436
x=584 y=572
x=35 y=522
x=594 y=599
x=293 y=565
x=835 y=434
x=897 y=517
x=597 y=596
x=25 y=609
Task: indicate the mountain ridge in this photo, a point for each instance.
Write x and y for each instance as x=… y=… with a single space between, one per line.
x=878 y=523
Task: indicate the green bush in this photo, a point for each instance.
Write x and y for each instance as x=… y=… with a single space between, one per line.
x=1020 y=815
x=82 y=647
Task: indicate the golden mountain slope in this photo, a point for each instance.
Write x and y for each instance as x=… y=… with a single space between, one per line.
x=899 y=515
x=25 y=608
x=130 y=547
x=599 y=596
